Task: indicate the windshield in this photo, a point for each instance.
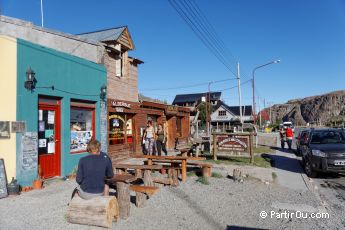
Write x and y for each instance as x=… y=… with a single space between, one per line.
x=327 y=137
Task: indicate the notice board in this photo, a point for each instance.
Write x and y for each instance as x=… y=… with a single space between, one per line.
x=3 y=180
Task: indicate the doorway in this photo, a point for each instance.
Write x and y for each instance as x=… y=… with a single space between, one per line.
x=49 y=146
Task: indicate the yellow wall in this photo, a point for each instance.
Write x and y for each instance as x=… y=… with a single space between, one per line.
x=8 y=94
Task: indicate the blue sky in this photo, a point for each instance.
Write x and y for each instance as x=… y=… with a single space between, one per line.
x=307 y=35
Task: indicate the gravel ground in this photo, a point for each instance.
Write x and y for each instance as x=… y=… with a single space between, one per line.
x=223 y=204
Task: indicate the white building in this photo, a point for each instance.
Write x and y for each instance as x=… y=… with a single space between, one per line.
x=225 y=116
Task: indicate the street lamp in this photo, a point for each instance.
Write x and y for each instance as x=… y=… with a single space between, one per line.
x=253 y=84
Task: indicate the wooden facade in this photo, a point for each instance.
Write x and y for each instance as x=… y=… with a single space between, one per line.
x=127 y=116
x=127 y=139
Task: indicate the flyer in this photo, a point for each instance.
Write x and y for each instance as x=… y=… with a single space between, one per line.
x=42 y=143
x=51 y=117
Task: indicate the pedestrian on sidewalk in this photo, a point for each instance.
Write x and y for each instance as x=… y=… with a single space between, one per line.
x=149 y=137
x=282 y=137
x=160 y=141
x=289 y=136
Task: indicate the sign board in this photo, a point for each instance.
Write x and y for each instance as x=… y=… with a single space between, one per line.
x=104 y=127
x=233 y=143
x=29 y=157
x=18 y=126
x=3 y=180
x=171 y=110
x=4 y=129
x=121 y=104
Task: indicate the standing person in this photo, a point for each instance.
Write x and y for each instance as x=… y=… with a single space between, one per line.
x=92 y=171
x=149 y=137
x=161 y=139
x=289 y=136
x=282 y=137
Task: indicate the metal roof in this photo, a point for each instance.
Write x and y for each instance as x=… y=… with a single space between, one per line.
x=191 y=98
x=111 y=34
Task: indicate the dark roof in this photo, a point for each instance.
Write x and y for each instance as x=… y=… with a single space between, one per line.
x=111 y=34
x=246 y=109
x=191 y=98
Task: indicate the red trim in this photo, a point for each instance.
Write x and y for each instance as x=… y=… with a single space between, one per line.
x=50 y=164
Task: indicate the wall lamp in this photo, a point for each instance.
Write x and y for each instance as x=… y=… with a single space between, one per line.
x=31 y=81
x=103 y=92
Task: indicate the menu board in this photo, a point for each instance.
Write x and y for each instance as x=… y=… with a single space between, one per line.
x=3 y=180
x=29 y=155
x=103 y=127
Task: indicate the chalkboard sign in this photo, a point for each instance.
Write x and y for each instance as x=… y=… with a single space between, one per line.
x=29 y=156
x=3 y=180
x=103 y=126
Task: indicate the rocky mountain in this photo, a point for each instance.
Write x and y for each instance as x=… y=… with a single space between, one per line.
x=321 y=109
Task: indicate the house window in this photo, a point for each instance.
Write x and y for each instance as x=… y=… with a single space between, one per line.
x=82 y=125
x=119 y=65
x=221 y=113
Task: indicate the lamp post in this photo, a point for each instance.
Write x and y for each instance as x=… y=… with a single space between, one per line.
x=253 y=84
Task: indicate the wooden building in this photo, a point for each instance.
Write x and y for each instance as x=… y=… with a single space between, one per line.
x=127 y=116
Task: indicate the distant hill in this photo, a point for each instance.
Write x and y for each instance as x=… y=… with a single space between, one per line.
x=321 y=109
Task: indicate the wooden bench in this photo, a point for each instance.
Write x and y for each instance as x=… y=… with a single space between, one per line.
x=138 y=168
x=142 y=193
x=206 y=168
x=98 y=211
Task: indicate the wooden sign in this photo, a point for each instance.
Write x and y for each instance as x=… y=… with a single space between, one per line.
x=233 y=143
x=3 y=180
x=171 y=110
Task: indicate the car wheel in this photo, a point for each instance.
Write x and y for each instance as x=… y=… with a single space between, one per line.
x=309 y=170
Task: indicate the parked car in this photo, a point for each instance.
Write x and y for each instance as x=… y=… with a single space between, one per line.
x=323 y=150
x=302 y=135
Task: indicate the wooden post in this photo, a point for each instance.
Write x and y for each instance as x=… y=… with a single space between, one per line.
x=215 y=147
x=251 y=151
x=147 y=178
x=184 y=170
x=123 y=197
x=138 y=173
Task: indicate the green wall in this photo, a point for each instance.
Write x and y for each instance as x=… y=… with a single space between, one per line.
x=77 y=78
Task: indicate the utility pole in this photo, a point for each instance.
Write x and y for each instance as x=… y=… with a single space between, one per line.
x=239 y=91
x=259 y=113
x=42 y=13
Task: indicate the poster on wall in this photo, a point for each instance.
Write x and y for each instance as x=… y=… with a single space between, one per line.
x=18 y=126
x=30 y=153
x=51 y=147
x=41 y=126
x=40 y=115
x=42 y=143
x=4 y=129
x=79 y=140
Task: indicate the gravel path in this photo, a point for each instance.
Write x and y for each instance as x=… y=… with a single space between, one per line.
x=223 y=204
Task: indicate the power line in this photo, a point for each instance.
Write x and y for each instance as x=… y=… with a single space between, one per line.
x=189 y=86
x=190 y=12
x=199 y=32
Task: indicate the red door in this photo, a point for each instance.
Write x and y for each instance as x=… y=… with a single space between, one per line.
x=49 y=148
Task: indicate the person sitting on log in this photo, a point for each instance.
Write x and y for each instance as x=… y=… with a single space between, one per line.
x=92 y=171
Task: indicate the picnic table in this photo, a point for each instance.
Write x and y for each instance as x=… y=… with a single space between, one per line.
x=172 y=159
x=121 y=181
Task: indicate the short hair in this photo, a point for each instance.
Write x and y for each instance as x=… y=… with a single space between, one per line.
x=149 y=122
x=94 y=146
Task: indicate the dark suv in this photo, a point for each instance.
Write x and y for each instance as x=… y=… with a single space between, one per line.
x=323 y=150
